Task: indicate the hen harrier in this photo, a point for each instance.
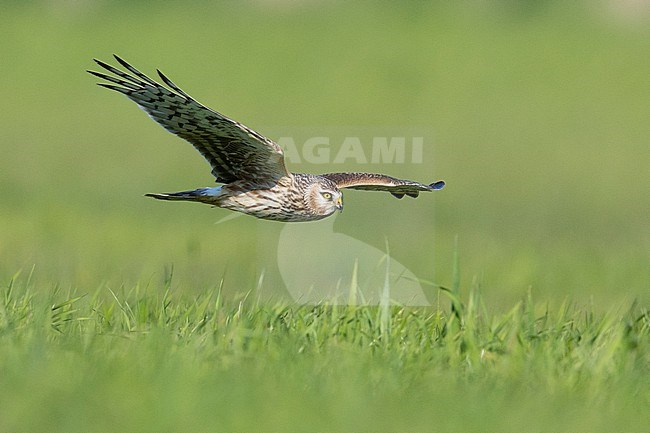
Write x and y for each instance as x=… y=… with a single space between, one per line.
x=249 y=166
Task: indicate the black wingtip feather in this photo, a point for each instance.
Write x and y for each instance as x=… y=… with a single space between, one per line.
x=114 y=80
x=103 y=64
x=119 y=59
x=111 y=69
x=126 y=64
x=134 y=71
x=169 y=82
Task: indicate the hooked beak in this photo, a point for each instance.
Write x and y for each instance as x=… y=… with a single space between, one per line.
x=339 y=204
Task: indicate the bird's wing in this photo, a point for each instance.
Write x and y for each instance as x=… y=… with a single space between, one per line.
x=234 y=151
x=381 y=182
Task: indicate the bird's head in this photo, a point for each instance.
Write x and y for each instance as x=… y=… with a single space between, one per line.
x=324 y=198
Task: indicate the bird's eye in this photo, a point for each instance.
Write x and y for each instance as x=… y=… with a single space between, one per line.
x=327 y=195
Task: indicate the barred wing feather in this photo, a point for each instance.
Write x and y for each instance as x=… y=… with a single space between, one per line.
x=234 y=151
x=381 y=182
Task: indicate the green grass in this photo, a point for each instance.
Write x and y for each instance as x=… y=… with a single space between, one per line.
x=148 y=359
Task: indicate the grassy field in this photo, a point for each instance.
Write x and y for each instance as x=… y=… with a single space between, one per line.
x=535 y=114
x=146 y=360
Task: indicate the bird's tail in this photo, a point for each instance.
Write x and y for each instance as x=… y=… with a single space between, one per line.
x=204 y=195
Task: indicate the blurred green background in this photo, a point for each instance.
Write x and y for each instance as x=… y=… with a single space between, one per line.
x=539 y=110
